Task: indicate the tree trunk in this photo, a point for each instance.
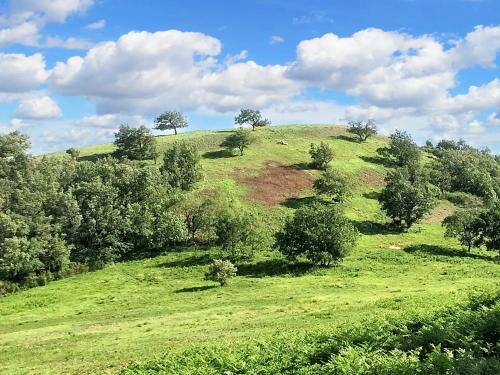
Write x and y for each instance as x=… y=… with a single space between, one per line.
x=241 y=151
x=175 y=130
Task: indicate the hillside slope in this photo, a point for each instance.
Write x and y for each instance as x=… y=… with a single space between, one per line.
x=98 y=322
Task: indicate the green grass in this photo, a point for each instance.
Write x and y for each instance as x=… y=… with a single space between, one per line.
x=98 y=322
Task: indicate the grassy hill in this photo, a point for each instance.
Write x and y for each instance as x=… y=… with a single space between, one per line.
x=99 y=321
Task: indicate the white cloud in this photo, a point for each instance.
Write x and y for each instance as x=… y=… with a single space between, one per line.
x=27 y=18
x=50 y=10
x=276 y=39
x=68 y=43
x=143 y=72
x=110 y=120
x=494 y=119
x=19 y=73
x=98 y=25
x=38 y=108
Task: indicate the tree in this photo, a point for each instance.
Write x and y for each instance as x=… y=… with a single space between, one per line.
x=463 y=224
x=321 y=155
x=251 y=117
x=221 y=271
x=407 y=196
x=13 y=144
x=322 y=233
x=489 y=227
x=73 y=152
x=135 y=143
x=171 y=120
x=240 y=139
x=362 y=130
x=336 y=184
x=182 y=166
x=402 y=150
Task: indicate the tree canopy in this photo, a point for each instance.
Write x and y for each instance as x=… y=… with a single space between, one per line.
x=171 y=120
x=135 y=143
x=240 y=140
x=251 y=117
x=363 y=130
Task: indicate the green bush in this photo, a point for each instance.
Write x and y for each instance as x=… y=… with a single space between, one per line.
x=321 y=155
x=221 y=271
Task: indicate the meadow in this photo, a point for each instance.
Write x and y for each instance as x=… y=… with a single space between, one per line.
x=98 y=322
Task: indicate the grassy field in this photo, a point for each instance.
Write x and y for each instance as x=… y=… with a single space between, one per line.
x=98 y=322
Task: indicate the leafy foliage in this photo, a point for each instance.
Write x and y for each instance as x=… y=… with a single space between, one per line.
x=401 y=150
x=463 y=224
x=240 y=139
x=407 y=196
x=322 y=233
x=489 y=227
x=181 y=165
x=461 y=341
x=321 y=155
x=135 y=143
x=362 y=130
x=171 y=120
x=73 y=152
x=336 y=184
x=221 y=271
x=13 y=144
x=251 y=117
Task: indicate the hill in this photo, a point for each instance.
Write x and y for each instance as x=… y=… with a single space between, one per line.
x=99 y=321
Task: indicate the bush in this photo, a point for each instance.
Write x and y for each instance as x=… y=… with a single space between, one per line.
x=221 y=271
x=402 y=151
x=336 y=184
x=73 y=152
x=464 y=224
x=181 y=165
x=407 y=196
x=135 y=143
x=464 y=199
x=321 y=155
x=322 y=233
x=240 y=140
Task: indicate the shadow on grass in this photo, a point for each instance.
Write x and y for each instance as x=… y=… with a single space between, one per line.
x=377 y=160
x=372 y=195
x=194 y=260
x=346 y=138
x=274 y=267
x=443 y=251
x=218 y=154
x=302 y=166
x=368 y=227
x=299 y=202
x=195 y=289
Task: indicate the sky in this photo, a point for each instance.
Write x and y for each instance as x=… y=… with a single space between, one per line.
x=72 y=71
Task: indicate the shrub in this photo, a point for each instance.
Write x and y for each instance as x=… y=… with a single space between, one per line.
x=221 y=271
x=321 y=155
x=73 y=152
x=401 y=150
x=240 y=140
x=322 y=233
x=463 y=199
x=135 y=143
x=181 y=166
x=336 y=184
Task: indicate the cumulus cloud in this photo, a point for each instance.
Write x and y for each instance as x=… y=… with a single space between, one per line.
x=20 y=73
x=27 y=18
x=142 y=71
x=38 y=108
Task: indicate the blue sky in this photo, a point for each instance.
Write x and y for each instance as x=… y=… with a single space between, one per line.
x=72 y=70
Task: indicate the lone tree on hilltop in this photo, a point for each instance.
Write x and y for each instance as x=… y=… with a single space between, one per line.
x=171 y=120
x=240 y=139
x=251 y=117
x=362 y=130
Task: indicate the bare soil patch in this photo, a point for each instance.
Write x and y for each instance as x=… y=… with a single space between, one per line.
x=276 y=183
x=371 y=177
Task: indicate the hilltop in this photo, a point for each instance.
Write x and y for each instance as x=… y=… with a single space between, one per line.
x=99 y=321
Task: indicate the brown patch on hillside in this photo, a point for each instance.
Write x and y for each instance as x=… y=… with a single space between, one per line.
x=371 y=177
x=276 y=183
